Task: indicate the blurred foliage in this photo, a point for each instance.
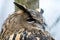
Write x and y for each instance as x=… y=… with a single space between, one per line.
x=31 y=4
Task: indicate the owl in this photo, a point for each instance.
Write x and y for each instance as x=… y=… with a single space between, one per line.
x=33 y=34
x=23 y=18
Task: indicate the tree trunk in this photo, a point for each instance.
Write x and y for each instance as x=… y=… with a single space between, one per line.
x=31 y=4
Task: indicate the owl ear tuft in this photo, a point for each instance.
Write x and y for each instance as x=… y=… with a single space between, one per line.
x=23 y=9
x=42 y=11
x=20 y=6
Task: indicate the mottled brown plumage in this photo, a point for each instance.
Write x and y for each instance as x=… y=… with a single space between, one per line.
x=18 y=21
x=33 y=34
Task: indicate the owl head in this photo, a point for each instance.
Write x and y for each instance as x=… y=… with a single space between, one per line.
x=30 y=15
